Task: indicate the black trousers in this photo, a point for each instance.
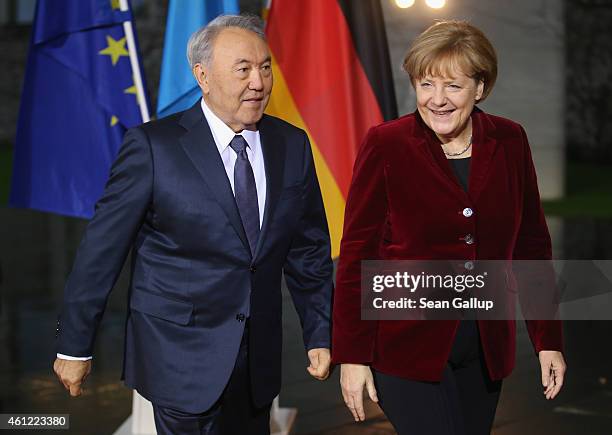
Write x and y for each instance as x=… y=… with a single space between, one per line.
x=462 y=403
x=232 y=414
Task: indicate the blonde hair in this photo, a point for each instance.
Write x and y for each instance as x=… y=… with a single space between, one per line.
x=449 y=46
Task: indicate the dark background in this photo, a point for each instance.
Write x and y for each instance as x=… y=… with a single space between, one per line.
x=37 y=250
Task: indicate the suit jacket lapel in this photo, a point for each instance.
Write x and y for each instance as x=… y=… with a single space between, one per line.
x=200 y=146
x=430 y=147
x=273 y=150
x=483 y=151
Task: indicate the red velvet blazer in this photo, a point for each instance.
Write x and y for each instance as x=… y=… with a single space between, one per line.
x=406 y=203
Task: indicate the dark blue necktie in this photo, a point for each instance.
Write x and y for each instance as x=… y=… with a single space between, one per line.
x=245 y=192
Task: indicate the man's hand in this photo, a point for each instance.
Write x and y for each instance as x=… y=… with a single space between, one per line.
x=353 y=377
x=320 y=359
x=553 y=372
x=72 y=374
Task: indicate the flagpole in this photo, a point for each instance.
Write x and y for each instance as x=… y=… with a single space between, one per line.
x=129 y=36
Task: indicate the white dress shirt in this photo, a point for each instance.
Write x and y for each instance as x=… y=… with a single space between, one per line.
x=222 y=136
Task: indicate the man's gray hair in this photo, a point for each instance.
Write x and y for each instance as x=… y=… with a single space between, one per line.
x=200 y=45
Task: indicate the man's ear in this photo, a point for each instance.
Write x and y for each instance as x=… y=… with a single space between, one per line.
x=200 y=72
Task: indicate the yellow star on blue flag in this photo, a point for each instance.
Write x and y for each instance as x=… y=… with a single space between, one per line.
x=131 y=90
x=115 y=49
x=134 y=91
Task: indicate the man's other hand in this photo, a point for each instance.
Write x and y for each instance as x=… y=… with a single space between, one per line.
x=320 y=359
x=72 y=374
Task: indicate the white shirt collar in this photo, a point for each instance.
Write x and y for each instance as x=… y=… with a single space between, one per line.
x=223 y=135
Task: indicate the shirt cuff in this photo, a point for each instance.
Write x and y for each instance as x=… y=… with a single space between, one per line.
x=74 y=358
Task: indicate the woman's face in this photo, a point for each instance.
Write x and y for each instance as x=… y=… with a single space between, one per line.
x=445 y=103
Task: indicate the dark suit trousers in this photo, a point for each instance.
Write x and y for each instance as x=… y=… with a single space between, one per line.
x=462 y=403
x=232 y=414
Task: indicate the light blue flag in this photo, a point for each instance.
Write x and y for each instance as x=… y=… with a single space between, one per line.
x=178 y=89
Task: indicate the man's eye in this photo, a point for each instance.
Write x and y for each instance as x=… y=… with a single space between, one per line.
x=266 y=67
x=244 y=69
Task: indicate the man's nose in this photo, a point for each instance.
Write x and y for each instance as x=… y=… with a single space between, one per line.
x=255 y=80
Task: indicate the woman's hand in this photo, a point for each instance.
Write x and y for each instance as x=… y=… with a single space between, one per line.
x=353 y=377
x=553 y=372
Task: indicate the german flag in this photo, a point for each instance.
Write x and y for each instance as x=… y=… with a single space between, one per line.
x=332 y=78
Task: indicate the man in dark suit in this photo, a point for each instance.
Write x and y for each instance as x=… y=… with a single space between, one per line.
x=215 y=202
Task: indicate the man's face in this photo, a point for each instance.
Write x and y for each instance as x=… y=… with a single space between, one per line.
x=237 y=83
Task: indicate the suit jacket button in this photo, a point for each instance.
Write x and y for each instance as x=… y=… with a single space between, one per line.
x=469 y=239
x=467 y=212
x=253 y=269
x=240 y=317
x=469 y=265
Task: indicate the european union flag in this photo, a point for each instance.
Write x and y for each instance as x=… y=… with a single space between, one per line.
x=80 y=95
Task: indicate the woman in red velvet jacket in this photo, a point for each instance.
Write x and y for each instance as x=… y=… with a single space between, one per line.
x=447 y=182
